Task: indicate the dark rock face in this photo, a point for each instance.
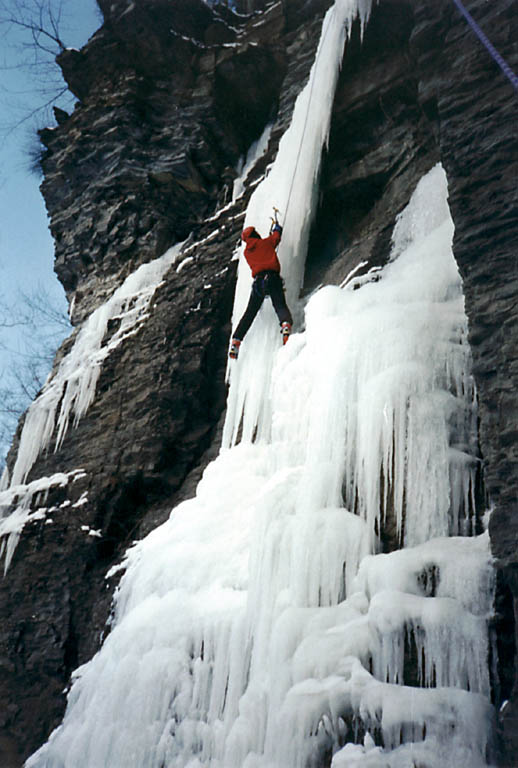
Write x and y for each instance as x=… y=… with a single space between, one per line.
x=475 y=111
x=172 y=95
x=380 y=146
x=170 y=101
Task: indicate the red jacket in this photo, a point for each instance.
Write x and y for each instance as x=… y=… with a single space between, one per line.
x=260 y=252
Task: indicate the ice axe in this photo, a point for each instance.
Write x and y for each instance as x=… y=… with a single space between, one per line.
x=274 y=218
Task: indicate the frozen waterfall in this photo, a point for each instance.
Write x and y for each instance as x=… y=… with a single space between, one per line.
x=260 y=626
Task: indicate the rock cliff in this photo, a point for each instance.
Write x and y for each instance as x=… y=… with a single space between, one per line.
x=171 y=96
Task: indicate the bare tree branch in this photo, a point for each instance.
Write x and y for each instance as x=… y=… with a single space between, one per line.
x=40 y=18
x=32 y=33
x=42 y=326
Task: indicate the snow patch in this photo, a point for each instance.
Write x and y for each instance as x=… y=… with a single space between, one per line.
x=68 y=395
x=23 y=498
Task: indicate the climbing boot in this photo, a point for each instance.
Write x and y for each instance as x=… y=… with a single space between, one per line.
x=285 y=330
x=234 y=349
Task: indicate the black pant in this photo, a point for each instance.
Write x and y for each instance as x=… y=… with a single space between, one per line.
x=267 y=283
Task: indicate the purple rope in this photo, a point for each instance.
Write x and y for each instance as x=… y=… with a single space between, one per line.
x=506 y=69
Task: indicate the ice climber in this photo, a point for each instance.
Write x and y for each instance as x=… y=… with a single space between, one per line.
x=266 y=272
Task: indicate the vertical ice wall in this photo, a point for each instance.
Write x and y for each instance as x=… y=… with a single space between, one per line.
x=290 y=186
x=260 y=627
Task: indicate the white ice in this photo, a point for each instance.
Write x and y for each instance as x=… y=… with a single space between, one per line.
x=255 y=152
x=21 y=504
x=260 y=627
x=290 y=186
x=68 y=392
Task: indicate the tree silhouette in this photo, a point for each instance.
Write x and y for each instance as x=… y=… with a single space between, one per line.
x=30 y=332
x=33 y=33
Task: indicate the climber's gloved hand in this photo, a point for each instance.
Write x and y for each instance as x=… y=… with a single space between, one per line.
x=277 y=228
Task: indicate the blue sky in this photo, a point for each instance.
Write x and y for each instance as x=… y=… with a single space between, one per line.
x=26 y=246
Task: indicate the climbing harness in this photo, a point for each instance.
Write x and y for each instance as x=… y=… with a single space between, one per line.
x=260 y=285
x=504 y=66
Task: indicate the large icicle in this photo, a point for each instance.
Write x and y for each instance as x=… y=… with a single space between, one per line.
x=69 y=392
x=290 y=186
